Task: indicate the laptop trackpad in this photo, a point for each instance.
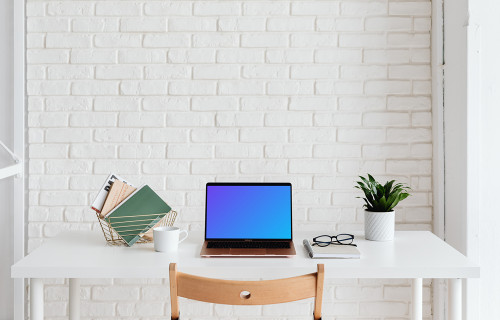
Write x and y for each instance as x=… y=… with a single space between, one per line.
x=246 y=252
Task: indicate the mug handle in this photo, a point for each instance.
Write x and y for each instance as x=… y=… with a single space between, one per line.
x=184 y=236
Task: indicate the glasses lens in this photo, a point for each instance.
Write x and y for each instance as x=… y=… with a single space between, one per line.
x=323 y=240
x=322 y=244
x=345 y=238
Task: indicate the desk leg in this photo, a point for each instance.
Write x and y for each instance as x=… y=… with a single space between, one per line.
x=454 y=299
x=74 y=299
x=416 y=301
x=36 y=299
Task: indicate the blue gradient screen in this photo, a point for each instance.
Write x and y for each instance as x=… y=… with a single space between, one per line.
x=249 y=212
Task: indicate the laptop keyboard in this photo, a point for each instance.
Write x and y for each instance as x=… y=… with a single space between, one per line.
x=248 y=245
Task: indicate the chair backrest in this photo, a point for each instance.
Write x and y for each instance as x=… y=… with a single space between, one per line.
x=246 y=292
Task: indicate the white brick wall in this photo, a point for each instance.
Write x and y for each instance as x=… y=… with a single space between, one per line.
x=178 y=93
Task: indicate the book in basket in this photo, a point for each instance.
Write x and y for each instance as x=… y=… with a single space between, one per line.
x=118 y=192
x=138 y=213
x=332 y=251
x=101 y=196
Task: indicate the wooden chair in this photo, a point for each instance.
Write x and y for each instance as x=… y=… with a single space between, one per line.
x=246 y=292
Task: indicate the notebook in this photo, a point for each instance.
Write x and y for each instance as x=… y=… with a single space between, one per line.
x=137 y=214
x=118 y=192
x=103 y=192
x=248 y=220
x=332 y=251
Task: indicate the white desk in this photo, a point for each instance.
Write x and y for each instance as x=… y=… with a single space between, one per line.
x=76 y=255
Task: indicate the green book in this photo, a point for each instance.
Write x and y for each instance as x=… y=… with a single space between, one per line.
x=138 y=213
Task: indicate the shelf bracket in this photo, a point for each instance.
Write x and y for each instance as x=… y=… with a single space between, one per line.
x=13 y=170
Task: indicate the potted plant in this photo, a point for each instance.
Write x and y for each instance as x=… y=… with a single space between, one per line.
x=380 y=201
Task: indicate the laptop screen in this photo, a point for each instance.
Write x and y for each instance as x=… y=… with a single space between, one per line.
x=248 y=211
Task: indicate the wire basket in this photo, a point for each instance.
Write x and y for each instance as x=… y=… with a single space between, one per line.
x=113 y=238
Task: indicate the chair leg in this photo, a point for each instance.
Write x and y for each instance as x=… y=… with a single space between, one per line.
x=174 y=302
x=318 y=301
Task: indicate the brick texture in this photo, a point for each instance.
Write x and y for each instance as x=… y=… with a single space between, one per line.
x=179 y=93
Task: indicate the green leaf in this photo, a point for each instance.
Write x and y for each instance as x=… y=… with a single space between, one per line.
x=393 y=197
x=364 y=180
x=380 y=191
x=388 y=187
x=367 y=205
x=362 y=187
x=369 y=197
x=372 y=179
x=404 y=196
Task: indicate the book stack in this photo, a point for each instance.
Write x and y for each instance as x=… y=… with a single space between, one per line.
x=130 y=212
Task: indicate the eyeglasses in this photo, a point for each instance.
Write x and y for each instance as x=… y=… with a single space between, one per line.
x=340 y=239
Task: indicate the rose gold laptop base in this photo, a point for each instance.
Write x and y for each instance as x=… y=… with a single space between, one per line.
x=247 y=253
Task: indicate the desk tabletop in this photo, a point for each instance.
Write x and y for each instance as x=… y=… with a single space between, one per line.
x=412 y=254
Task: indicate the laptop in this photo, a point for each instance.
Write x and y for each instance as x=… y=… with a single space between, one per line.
x=248 y=220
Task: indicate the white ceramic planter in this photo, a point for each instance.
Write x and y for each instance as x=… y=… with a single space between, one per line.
x=379 y=226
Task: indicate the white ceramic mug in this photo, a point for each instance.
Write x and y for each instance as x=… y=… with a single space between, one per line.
x=166 y=239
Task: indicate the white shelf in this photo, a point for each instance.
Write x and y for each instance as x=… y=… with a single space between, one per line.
x=11 y=170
